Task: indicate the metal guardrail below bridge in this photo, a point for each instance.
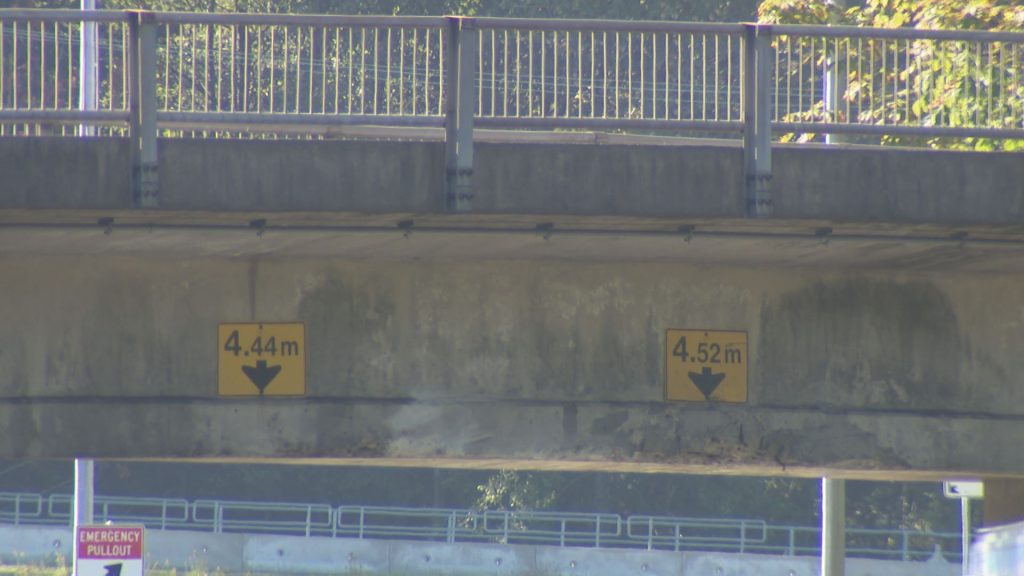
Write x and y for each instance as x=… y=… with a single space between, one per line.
x=594 y=530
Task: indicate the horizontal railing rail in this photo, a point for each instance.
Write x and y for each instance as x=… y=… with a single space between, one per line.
x=453 y=525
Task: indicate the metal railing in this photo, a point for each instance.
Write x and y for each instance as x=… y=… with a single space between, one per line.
x=678 y=533
x=443 y=524
x=450 y=525
x=162 y=513
x=19 y=508
x=221 y=516
x=896 y=82
x=251 y=72
x=565 y=528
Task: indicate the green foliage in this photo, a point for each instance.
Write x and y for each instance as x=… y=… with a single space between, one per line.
x=515 y=491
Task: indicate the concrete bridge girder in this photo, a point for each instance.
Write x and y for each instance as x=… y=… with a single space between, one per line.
x=508 y=362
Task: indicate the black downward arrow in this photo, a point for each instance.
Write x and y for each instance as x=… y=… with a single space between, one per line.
x=261 y=375
x=706 y=382
x=112 y=570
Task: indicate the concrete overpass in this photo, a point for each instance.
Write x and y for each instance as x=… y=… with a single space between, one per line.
x=881 y=306
x=478 y=298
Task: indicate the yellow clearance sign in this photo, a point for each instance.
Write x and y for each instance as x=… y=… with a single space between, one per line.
x=261 y=359
x=706 y=365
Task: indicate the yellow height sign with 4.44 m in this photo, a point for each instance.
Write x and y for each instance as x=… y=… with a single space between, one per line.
x=261 y=359
x=706 y=365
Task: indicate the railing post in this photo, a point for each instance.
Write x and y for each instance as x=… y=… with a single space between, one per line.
x=463 y=42
x=145 y=166
x=757 y=130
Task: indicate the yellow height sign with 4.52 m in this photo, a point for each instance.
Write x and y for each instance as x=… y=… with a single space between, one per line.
x=261 y=359
x=706 y=365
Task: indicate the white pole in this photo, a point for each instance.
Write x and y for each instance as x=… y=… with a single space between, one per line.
x=87 y=69
x=965 y=535
x=87 y=73
x=83 y=503
x=833 y=527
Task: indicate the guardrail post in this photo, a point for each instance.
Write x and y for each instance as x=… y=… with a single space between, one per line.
x=650 y=533
x=757 y=129
x=145 y=166
x=463 y=42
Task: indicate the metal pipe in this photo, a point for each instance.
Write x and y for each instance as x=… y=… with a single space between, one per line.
x=965 y=536
x=87 y=70
x=833 y=527
x=891 y=33
x=965 y=242
x=84 y=475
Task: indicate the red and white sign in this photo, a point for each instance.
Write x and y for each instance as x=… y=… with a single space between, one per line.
x=109 y=550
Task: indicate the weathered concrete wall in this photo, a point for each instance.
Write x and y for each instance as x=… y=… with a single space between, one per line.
x=847 y=184
x=65 y=173
x=491 y=361
x=358 y=176
x=886 y=184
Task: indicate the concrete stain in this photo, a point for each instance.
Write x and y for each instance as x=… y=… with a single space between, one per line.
x=861 y=343
x=121 y=347
x=344 y=325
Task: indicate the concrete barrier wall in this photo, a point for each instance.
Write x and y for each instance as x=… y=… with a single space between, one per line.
x=238 y=554
x=65 y=173
x=843 y=184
